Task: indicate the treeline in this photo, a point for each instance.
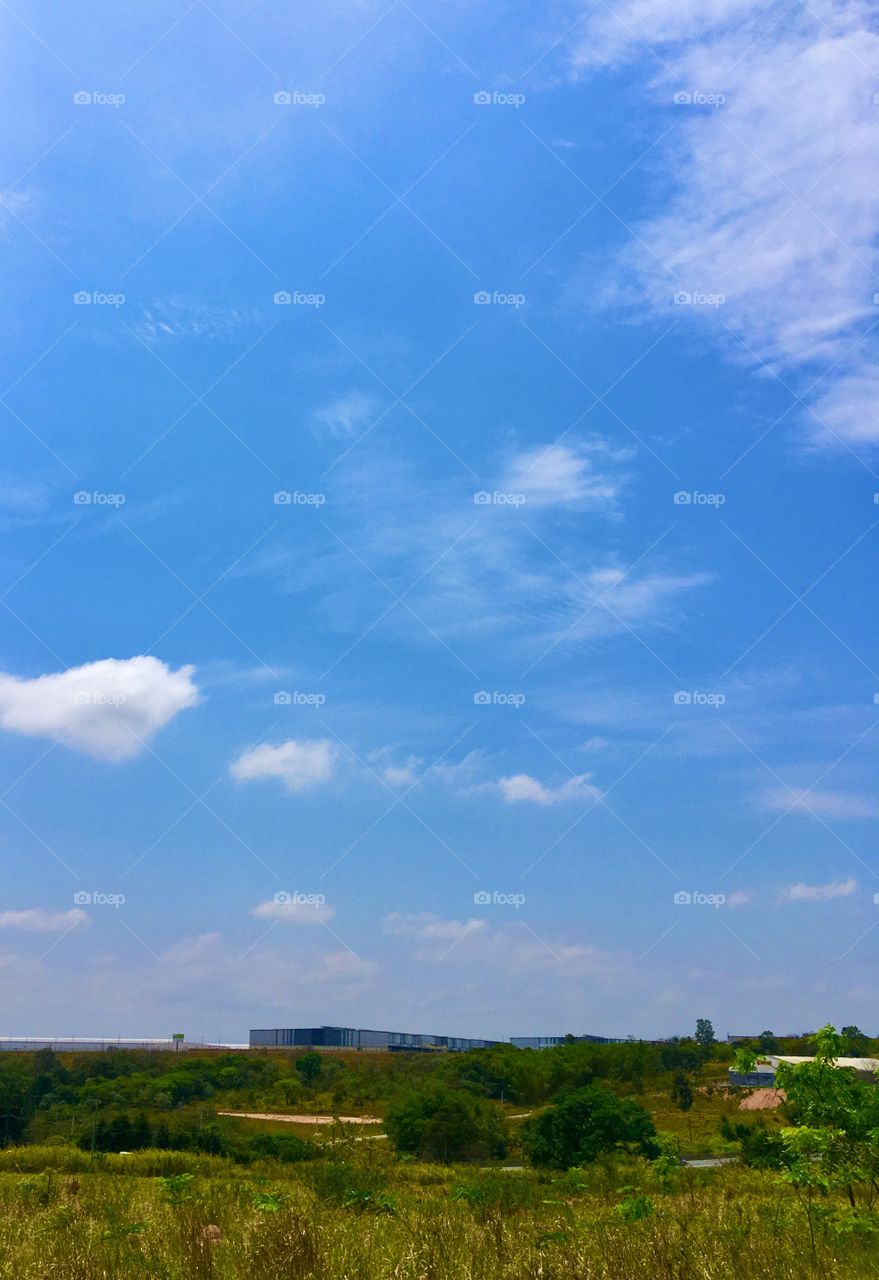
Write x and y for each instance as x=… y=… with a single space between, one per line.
x=136 y=1133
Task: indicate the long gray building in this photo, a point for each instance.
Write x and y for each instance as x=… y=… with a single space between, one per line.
x=359 y=1038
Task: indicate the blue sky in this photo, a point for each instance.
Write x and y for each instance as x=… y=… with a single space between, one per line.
x=438 y=497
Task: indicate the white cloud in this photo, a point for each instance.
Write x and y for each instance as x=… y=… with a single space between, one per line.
x=819 y=892
x=774 y=198
x=831 y=804
x=430 y=928
x=105 y=708
x=739 y=898
x=559 y=474
x=522 y=788
x=299 y=763
x=37 y=920
x=348 y=414
x=296 y=908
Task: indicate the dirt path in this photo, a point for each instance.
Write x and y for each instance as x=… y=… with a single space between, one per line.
x=265 y=1115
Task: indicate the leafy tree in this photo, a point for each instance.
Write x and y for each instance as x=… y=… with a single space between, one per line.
x=583 y=1124
x=834 y=1141
x=856 y=1042
x=445 y=1124
x=309 y=1065
x=767 y=1043
x=682 y=1094
x=704 y=1033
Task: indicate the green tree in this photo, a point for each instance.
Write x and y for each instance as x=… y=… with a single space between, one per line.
x=309 y=1066
x=583 y=1124
x=704 y=1033
x=767 y=1043
x=834 y=1141
x=446 y=1124
x=856 y=1042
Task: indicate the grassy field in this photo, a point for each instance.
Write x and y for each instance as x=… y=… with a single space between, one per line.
x=175 y=1216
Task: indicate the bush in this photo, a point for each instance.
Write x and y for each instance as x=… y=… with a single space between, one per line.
x=440 y=1123
x=585 y=1123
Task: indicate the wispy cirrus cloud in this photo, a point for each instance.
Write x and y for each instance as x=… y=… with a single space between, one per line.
x=801 y=892
x=772 y=204
x=826 y=804
x=522 y=788
x=38 y=920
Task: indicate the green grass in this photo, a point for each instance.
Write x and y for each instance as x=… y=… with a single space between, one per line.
x=168 y=1216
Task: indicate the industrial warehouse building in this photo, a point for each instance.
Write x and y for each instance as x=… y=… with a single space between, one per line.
x=359 y=1038
x=763 y=1075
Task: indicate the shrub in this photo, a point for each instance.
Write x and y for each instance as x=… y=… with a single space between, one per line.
x=585 y=1123
x=445 y=1124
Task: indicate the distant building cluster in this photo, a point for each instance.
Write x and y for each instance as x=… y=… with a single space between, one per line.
x=294 y=1037
x=359 y=1038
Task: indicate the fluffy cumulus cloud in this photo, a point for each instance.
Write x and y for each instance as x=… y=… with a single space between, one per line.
x=774 y=173
x=819 y=892
x=107 y=708
x=299 y=763
x=38 y=920
x=521 y=788
x=295 y=908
